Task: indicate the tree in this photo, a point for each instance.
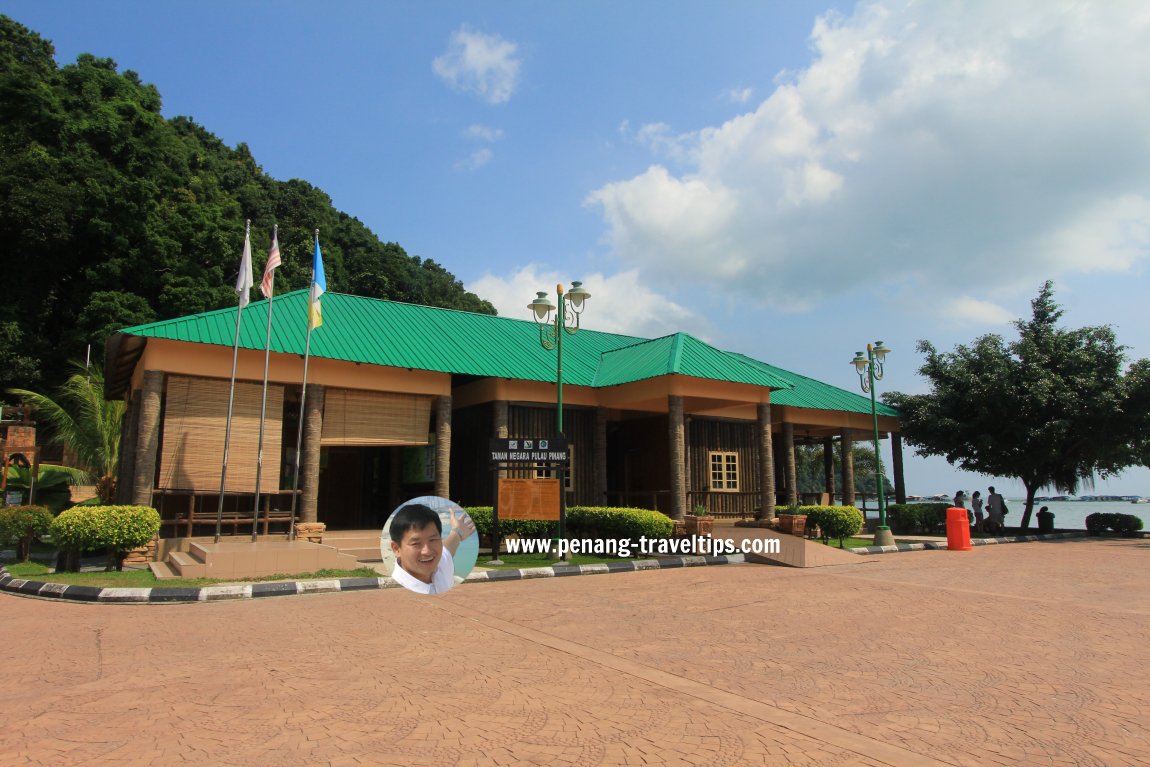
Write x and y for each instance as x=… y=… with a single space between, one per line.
x=86 y=422
x=1052 y=408
x=142 y=217
x=809 y=469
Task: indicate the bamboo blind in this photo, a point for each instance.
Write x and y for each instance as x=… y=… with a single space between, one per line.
x=195 y=415
x=355 y=417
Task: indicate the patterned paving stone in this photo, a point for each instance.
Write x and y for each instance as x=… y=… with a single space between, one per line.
x=1030 y=654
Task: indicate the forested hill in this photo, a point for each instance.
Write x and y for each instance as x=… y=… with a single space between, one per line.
x=112 y=215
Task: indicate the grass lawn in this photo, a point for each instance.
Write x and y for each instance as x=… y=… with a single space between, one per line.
x=143 y=579
x=523 y=561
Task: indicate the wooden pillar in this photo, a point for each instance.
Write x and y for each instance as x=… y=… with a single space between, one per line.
x=847 y=459
x=675 y=435
x=443 y=446
x=312 y=432
x=789 y=457
x=829 y=469
x=600 y=457
x=766 y=462
x=502 y=430
x=126 y=471
x=896 y=467
x=147 y=438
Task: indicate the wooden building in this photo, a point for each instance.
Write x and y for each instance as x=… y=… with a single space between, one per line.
x=401 y=401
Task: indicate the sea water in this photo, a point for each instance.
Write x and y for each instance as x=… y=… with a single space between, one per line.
x=1071 y=515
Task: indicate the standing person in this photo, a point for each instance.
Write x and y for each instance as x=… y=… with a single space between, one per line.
x=976 y=504
x=995 y=507
x=960 y=503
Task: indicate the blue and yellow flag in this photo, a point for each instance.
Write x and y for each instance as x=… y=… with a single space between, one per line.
x=318 y=287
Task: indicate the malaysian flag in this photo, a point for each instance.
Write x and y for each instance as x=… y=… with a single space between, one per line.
x=273 y=262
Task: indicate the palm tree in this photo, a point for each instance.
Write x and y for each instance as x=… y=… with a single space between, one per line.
x=86 y=422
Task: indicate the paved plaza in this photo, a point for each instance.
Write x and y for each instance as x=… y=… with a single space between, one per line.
x=1021 y=654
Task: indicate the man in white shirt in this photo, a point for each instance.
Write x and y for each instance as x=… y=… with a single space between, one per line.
x=424 y=558
x=994 y=509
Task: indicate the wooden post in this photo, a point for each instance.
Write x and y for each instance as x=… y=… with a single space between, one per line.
x=147 y=438
x=502 y=430
x=443 y=446
x=789 y=457
x=847 y=459
x=896 y=467
x=675 y=435
x=312 y=433
x=600 y=457
x=766 y=462
x=829 y=469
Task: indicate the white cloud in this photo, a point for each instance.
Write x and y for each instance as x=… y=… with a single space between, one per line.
x=740 y=95
x=966 y=310
x=483 y=133
x=619 y=303
x=485 y=65
x=476 y=160
x=926 y=145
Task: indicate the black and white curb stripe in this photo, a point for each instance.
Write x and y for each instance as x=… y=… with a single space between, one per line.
x=941 y=545
x=169 y=594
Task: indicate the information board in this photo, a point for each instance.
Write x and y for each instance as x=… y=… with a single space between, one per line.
x=528 y=499
x=552 y=450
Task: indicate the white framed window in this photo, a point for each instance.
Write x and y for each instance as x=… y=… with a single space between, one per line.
x=547 y=471
x=724 y=471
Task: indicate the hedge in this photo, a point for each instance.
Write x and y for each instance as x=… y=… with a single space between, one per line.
x=916 y=517
x=115 y=528
x=20 y=525
x=599 y=522
x=618 y=522
x=1125 y=524
x=833 y=521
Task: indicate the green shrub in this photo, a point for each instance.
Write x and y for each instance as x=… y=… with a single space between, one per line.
x=1123 y=524
x=602 y=522
x=20 y=525
x=833 y=521
x=117 y=529
x=598 y=522
x=910 y=518
x=525 y=528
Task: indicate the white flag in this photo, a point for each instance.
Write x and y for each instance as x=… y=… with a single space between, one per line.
x=244 y=280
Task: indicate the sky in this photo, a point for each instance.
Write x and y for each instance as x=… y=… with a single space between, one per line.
x=789 y=180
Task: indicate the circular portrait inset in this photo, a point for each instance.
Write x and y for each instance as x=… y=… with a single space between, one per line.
x=429 y=544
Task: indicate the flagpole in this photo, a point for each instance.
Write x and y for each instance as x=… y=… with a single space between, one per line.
x=264 y=403
x=299 y=432
x=303 y=390
x=235 y=358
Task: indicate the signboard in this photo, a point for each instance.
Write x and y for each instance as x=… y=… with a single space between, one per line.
x=528 y=499
x=546 y=450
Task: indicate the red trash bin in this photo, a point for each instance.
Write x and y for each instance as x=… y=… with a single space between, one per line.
x=957 y=530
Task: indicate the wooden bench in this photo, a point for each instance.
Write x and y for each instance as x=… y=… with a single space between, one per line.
x=198 y=515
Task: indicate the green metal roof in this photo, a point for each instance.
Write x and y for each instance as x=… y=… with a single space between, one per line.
x=809 y=393
x=680 y=354
x=377 y=332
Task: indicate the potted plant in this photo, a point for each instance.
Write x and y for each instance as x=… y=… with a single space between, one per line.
x=699 y=522
x=793 y=522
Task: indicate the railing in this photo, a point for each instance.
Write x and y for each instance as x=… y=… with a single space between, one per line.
x=184 y=510
x=726 y=504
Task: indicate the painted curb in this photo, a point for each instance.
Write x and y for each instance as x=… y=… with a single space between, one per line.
x=182 y=594
x=941 y=545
